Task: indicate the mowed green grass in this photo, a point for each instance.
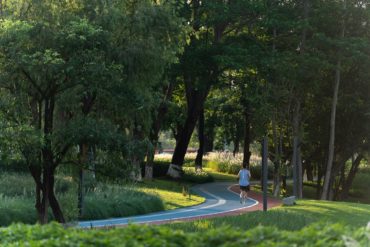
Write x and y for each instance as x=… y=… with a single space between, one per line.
x=170 y=193
x=290 y=218
x=219 y=176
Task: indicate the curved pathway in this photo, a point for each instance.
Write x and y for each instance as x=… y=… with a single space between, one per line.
x=221 y=199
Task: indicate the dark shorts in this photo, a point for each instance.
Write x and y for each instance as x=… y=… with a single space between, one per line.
x=245 y=188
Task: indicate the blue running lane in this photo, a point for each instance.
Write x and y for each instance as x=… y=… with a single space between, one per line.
x=219 y=199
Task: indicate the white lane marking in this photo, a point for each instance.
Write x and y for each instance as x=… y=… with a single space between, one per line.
x=220 y=200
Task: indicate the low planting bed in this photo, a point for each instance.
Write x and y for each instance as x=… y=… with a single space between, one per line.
x=138 y=235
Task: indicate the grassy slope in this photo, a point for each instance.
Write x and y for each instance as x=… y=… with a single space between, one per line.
x=295 y=217
x=170 y=193
x=219 y=176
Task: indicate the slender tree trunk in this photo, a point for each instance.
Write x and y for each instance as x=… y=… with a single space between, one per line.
x=154 y=133
x=48 y=164
x=208 y=140
x=236 y=145
x=309 y=170
x=328 y=174
x=247 y=138
x=88 y=101
x=35 y=171
x=57 y=212
x=296 y=159
x=82 y=161
x=329 y=166
x=196 y=102
x=276 y=190
x=351 y=176
x=199 y=157
x=340 y=182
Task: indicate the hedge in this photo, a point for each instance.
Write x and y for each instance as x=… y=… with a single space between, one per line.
x=139 y=235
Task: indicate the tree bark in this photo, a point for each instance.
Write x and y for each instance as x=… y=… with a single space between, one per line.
x=329 y=166
x=200 y=153
x=351 y=176
x=154 y=133
x=247 y=138
x=309 y=170
x=57 y=212
x=276 y=189
x=48 y=164
x=209 y=140
x=82 y=161
x=195 y=104
x=236 y=145
x=296 y=159
x=88 y=101
x=328 y=174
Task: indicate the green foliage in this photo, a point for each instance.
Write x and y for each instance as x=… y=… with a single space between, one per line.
x=137 y=235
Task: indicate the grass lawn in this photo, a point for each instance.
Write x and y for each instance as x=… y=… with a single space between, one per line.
x=289 y=218
x=171 y=193
x=219 y=176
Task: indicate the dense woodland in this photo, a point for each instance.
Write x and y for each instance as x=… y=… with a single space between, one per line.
x=84 y=80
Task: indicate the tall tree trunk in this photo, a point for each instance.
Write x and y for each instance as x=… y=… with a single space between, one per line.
x=309 y=170
x=195 y=104
x=328 y=174
x=35 y=171
x=88 y=101
x=296 y=159
x=208 y=139
x=247 y=138
x=329 y=166
x=297 y=165
x=320 y=170
x=199 y=157
x=82 y=161
x=351 y=176
x=48 y=164
x=154 y=133
x=276 y=188
x=236 y=144
x=57 y=211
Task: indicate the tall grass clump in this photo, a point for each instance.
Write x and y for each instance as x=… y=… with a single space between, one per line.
x=17 y=193
x=226 y=162
x=197 y=177
x=17 y=209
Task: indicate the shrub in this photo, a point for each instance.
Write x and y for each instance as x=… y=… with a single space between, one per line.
x=139 y=235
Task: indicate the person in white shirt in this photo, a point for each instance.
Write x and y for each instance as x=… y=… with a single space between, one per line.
x=244 y=176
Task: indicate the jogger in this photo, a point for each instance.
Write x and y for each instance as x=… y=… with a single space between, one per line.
x=244 y=177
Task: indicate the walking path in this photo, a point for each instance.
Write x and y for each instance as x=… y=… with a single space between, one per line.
x=222 y=198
